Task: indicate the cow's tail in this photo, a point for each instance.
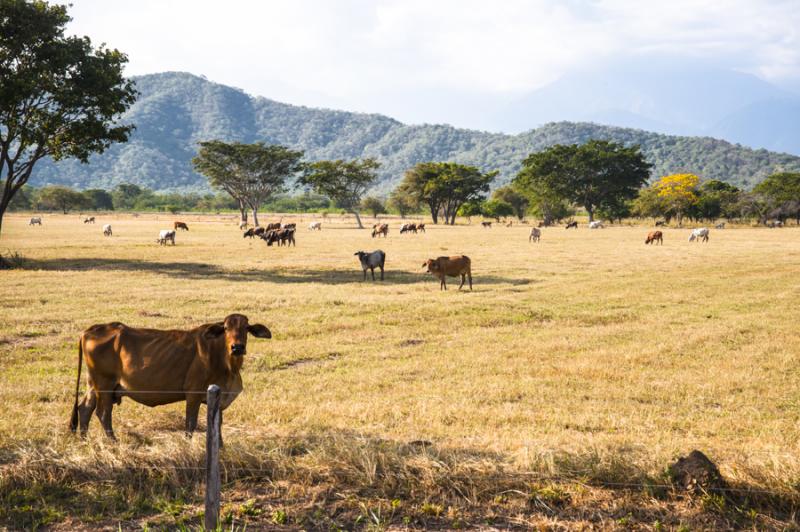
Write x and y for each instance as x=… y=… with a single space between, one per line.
x=73 y=424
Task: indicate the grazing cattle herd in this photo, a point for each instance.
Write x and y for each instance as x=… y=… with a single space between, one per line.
x=156 y=367
x=283 y=234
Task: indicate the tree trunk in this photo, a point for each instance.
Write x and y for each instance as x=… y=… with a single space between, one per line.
x=590 y=210
x=255 y=216
x=358 y=219
x=243 y=211
x=435 y=214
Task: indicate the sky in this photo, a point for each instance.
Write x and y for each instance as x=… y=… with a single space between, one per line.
x=434 y=60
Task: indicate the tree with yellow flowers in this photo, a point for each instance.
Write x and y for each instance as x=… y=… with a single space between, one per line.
x=678 y=192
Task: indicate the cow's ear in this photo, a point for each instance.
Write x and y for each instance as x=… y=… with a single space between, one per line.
x=424 y=264
x=215 y=330
x=259 y=331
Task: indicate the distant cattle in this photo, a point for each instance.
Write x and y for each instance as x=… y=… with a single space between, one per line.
x=653 y=237
x=458 y=265
x=572 y=225
x=775 y=223
x=700 y=234
x=535 y=235
x=250 y=233
x=180 y=225
x=289 y=226
x=107 y=230
x=486 y=225
x=88 y=220
x=720 y=226
x=408 y=228
x=166 y=235
x=370 y=261
x=270 y=227
x=35 y=221
x=281 y=236
x=154 y=367
x=315 y=226
x=661 y=223
x=380 y=229
x=596 y=225
x=421 y=227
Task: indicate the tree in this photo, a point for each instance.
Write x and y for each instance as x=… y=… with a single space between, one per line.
x=470 y=209
x=548 y=206
x=98 y=199
x=678 y=192
x=518 y=201
x=496 y=209
x=250 y=173
x=59 y=97
x=598 y=174
x=61 y=198
x=342 y=181
x=402 y=202
x=782 y=193
x=648 y=204
x=716 y=198
x=125 y=195
x=445 y=187
x=373 y=205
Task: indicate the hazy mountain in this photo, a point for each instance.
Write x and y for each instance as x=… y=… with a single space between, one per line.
x=175 y=111
x=665 y=96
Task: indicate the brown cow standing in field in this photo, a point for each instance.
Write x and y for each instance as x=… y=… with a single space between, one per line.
x=572 y=225
x=155 y=367
x=380 y=229
x=181 y=225
x=89 y=220
x=421 y=227
x=486 y=225
x=654 y=236
x=271 y=227
x=453 y=266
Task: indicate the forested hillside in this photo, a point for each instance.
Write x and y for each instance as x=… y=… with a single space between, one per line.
x=175 y=111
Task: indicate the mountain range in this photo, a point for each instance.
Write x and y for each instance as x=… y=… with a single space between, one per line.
x=177 y=110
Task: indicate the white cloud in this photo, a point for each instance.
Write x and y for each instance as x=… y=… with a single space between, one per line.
x=350 y=52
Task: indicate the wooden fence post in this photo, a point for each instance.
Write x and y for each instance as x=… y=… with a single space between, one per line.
x=212 y=458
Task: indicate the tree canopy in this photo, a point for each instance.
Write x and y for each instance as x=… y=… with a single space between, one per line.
x=345 y=182
x=518 y=201
x=250 y=173
x=678 y=192
x=59 y=97
x=445 y=187
x=597 y=174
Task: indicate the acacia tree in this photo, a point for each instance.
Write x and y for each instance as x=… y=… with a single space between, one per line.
x=401 y=202
x=61 y=198
x=445 y=187
x=342 y=181
x=598 y=174
x=59 y=97
x=250 y=173
x=518 y=201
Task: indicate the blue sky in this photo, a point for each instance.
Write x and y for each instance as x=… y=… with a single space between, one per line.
x=418 y=60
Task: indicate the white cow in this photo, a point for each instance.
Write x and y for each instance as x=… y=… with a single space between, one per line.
x=315 y=226
x=35 y=221
x=698 y=234
x=596 y=225
x=107 y=230
x=166 y=235
x=535 y=235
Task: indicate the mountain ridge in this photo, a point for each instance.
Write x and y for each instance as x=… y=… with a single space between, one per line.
x=176 y=110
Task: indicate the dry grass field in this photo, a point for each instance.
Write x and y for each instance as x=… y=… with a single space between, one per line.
x=553 y=395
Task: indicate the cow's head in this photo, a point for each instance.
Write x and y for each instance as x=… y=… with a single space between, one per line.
x=432 y=265
x=234 y=329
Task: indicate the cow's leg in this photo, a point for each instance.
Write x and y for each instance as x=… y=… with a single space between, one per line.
x=469 y=276
x=365 y=274
x=381 y=272
x=86 y=409
x=442 y=283
x=463 y=280
x=372 y=271
x=105 y=404
x=193 y=401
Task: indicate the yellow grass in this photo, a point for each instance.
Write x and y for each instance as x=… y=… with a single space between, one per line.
x=586 y=356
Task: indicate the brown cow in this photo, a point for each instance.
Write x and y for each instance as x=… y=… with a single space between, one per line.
x=486 y=225
x=654 y=236
x=421 y=227
x=380 y=229
x=275 y=226
x=452 y=267
x=181 y=225
x=155 y=367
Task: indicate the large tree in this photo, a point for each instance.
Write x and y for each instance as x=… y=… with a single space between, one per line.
x=250 y=173
x=445 y=187
x=59 y=96
x=597 y=174
x=678 y=192
x=517 y=199
x=342 y=181
x=781 y=191
x=61 y=199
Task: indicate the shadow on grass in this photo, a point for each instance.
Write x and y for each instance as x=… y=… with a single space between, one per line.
x=338 y=479
x=204 y=271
